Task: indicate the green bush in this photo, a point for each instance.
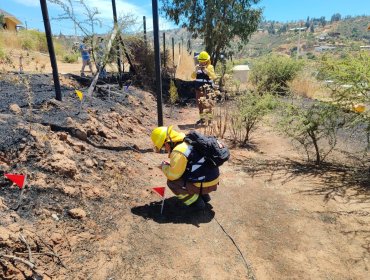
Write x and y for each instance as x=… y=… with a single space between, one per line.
x=313 y=127
x=2 y=53
x=70 y=58
x=271 y=73
x=251 y=107
x=350 y=86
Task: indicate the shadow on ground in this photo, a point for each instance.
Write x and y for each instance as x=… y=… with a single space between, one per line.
x=174 y=212
x=187 y=126
x=335 y=179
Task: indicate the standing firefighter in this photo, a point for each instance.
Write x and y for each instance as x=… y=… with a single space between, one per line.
x=190 y=176
x=204 y=74
x=85 y=53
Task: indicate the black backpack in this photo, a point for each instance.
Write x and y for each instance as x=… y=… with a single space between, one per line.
x=213 y=151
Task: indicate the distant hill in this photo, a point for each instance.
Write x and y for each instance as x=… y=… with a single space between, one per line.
x=312 y=35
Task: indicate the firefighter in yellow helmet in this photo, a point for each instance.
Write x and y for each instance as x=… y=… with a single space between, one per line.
x=204 y=74
x=188 y=176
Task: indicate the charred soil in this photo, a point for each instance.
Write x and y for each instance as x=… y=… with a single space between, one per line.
x=88 y=212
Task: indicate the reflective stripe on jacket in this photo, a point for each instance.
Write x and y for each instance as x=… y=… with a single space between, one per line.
x=210 y=73
x=188 y=164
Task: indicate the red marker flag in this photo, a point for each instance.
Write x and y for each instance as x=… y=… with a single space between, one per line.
x=19 y=180
x=160 y=190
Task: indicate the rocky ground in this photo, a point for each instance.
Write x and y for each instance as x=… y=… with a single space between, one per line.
x=77 y=164
x=88 y=212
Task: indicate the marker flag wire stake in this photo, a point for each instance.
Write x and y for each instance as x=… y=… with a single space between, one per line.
x=79 y=94
x=161 y=191
x=81 y=97
x=18 y=179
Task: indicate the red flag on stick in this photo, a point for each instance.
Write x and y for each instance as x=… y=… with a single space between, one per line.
x=160 y=190
x=19 y=180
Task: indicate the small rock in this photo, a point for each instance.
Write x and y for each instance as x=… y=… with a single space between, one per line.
x=81 y=134
x=14 y=108
x=77 y=213
x=70 y=121
x=3 y=207
x=59 y=149
x=62 y=136
x=56 y=238
x=89 y=163
x=70 y=191
x=55 y=217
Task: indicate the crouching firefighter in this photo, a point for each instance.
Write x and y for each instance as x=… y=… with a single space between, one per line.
x=189 y=176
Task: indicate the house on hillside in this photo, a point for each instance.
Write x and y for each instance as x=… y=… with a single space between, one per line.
x=10 y=22
x=296 y=29
x=324 y=48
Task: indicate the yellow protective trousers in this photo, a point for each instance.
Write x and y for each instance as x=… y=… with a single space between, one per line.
x=187 y=192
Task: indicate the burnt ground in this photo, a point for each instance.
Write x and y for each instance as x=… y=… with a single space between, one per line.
x=88 y=211
x=72 y=161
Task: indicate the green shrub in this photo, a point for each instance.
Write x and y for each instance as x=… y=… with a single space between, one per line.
x=314 y=127
x=251 y=107
x=70 y=58
x=27 y=43
x=271 y=73
x=2 y=53
x=350 y=86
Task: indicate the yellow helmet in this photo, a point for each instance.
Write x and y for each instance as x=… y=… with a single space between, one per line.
x=163 y=134
x=203 y=56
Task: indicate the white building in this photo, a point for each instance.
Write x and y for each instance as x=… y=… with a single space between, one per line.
x=241 y=72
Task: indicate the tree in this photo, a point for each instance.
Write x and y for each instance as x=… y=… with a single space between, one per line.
x=271 y=73
x=250 y=109
x=307 y=24
x=217 y=22
x=312 y=28
x=315 y=128
x=336 y=17
x=351 y=85
x=283 y=28
x=1 y=21
x=271 y=28
x=322 y=21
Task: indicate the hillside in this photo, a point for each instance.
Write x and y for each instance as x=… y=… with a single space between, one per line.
x=88 y=212
x=88 y=209
x=284 y=37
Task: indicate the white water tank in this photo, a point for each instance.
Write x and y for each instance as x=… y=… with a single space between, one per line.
x=240 y=72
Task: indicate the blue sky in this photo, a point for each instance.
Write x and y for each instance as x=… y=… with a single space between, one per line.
x=288 y=10
x=282 y=10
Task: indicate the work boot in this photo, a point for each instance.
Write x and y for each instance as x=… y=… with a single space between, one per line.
x=199 y=204
x=206 y=197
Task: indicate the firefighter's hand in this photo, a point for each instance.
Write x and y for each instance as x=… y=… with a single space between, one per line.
x=163 y=163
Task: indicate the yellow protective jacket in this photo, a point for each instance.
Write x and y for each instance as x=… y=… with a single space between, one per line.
x=210 y=72
x=178 y=165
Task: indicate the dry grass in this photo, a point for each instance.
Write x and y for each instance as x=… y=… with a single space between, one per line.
x=305 y=85
x=185 y=65
x=10 y=39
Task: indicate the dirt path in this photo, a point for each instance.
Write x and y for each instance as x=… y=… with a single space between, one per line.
x=278 y=217
x=287 y=219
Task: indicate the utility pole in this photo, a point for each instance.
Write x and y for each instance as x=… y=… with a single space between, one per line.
x=164 y=49
x=299 y=40
x=157 y=58
x=118 y=48
x=49 y=39
x=173 y=51
x=145 y=41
